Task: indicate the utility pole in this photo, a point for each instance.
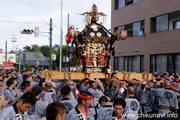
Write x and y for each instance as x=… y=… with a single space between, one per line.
x=19 y=59
x=60 y=56
x=6 y=52
x=67 y=62
x=50 y=45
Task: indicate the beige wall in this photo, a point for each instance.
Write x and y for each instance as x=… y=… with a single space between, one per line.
x=151 y=43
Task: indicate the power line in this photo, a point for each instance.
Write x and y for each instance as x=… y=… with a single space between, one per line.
x=20 y=22
x=56 y=27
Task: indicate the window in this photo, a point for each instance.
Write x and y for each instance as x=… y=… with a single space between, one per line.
x=177 y=63
x=136 y=1
x=165 y=63
x=133 y=29
x=129 y=29
x=136 y=28
x=161 y=64
x=176 y=24
x=123 y=3
x=162 y=23
x=141 y=63
x=129 y=63
x=136 y=64
x=121 y=28
x=115 y=63
x=120 y=64
x=129 y=2
x=119 y=4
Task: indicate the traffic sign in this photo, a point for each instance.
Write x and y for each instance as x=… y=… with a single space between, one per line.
x=36 y=31
x=56 y=47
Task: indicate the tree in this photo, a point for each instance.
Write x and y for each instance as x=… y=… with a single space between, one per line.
x=27 y=49
x=27 y=67
x=45 y=50
x=74 y=60
x=35 y=48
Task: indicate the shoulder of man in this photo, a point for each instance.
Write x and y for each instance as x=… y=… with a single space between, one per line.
x=8 y=113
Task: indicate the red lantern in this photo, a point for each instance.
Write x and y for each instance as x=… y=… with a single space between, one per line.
x=68 y=39
x=85 y=54
x=72 y=32
x=123 y=34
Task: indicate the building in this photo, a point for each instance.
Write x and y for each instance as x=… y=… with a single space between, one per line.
x=34 y=59
x=153 y=41
x=10 y=56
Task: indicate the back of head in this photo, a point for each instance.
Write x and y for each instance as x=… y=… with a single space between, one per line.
x=48 y=85
x=54 y=109
x=167 y=83
x=103 y=99
x=25 y=77
x=131 y=90
x=36 y=90
x=65 y=90
x=42 y=80
x=25 y=84
x=85 y=94
x=120 y=101
x=29 y=97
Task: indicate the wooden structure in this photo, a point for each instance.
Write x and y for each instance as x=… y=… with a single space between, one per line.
x=106 y=76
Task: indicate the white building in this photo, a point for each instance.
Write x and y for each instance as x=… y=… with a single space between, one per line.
x=10 y=56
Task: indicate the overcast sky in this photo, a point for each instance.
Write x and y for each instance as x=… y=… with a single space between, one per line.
x=15 y=15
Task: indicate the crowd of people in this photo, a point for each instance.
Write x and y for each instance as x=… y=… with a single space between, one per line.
x=26 y=96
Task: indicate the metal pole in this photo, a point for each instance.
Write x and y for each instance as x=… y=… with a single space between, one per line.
x=19 y=60
x=67 y=66
x=60 y=56
x=50 y=45
x=6 y=52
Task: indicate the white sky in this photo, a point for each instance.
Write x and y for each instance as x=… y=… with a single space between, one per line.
x=42 y=11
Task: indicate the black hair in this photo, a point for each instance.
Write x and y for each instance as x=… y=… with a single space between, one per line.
x=84 y=93
x=113 y=74
x=103 y=99
x=65 y=90
x=175 y=76
x=91 y=82
x=1 y=80
x=54 y=109
x=41 y=82
x=9 y=82
x=29 y=97
x=36 y=90
x=23 y=84
x=120 y=101
x=25 y=77
x=130 y=84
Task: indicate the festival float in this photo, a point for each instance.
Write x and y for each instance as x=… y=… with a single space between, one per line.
x=94 y=47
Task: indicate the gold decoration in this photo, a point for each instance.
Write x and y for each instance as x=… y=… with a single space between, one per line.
x=99 y=34
x=95 y=29
x=92 y=34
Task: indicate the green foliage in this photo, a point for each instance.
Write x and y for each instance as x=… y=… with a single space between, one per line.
x=27 y=67
x=74 y=60
x=45 y=50
x=35 y=48
x=27 y=49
